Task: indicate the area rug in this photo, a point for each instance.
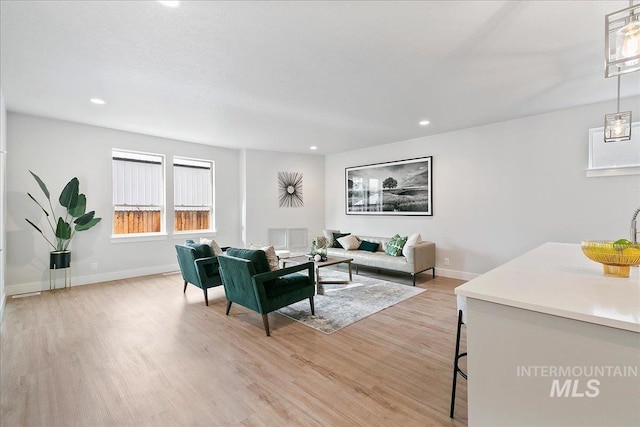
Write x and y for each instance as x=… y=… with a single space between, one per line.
x=342 y=305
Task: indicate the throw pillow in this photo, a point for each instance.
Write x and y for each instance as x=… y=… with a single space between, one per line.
x=368 y=246
x=336 y=236
x=412 y=240
x=272 y=258
x=215 y=248
x=328 y=234
x=257 y=256
x=321 y=242
x=349 y=242
x=394 y=247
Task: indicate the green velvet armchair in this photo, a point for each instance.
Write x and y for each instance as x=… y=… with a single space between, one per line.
x=198 y=266
x=248 y=281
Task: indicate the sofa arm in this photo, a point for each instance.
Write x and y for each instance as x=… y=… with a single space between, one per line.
x=276 y=274
x=422 y=256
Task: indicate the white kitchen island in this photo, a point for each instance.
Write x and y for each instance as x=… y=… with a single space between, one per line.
x=553 y=342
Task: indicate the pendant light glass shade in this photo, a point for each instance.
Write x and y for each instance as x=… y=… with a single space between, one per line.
x=617 y=127
x=628 y=43
x=622 y=41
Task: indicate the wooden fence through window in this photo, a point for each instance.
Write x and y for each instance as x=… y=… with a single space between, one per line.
x=191 y=220
x=126 y=222
x=129 y=222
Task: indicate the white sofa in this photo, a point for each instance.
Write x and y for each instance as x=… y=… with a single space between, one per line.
x=419 y=257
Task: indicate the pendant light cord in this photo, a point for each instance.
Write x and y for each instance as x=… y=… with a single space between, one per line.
x=618 y=104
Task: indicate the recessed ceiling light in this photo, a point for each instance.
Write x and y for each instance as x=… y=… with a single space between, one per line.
x=313 y=147
x=172 y=4
x=424 y=123
x=98 y=101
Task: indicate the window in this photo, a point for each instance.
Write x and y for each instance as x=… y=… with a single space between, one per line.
x=614 y=158
x=193 y=194
x=138 y=192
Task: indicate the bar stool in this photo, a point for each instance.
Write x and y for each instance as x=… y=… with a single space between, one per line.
x=462 y=319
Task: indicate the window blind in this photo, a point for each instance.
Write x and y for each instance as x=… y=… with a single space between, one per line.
x=137 y=180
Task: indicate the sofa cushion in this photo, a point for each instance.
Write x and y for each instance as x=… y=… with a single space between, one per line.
x=349 y=242
x=412 y=240
x=394 y=247
x=285 y=284
x=256 y=256
x=336 y=236
x=368 y=246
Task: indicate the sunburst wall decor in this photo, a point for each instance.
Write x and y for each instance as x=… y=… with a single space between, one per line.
x=290 y=189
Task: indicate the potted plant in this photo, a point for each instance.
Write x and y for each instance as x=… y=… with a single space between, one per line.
x=64 y=228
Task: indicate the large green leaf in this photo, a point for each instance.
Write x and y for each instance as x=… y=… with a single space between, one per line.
x=69 y=196
x=38 y=203
x=81 y=206
x=33 y=225
x=41 y=184
x=41 y=233
x=88 y=225
x=84 y=219
x=63 y=230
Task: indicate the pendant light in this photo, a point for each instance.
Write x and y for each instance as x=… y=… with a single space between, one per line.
x=622 y=41
x=617 y=126
x=623 y=57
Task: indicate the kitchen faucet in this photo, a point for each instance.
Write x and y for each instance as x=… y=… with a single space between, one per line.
x=634 y=230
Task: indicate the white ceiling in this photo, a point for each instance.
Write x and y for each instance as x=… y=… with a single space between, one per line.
x=287 y=75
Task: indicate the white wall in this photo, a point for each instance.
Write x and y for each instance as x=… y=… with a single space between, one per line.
x=501 y=189
x=262 y=210
x=57 y=151
x=3 y=252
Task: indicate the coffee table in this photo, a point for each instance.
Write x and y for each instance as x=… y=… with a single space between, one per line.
x=318 y=265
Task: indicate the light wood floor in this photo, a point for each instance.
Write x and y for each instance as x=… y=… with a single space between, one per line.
x=139 y=352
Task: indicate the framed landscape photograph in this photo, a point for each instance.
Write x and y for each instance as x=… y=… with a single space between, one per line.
x=402 y=187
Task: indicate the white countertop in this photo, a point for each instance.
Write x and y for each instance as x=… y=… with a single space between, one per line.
x=558 y=279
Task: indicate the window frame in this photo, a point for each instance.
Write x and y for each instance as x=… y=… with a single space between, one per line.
x=612 y=169
x=212 y=206
x=156 y=235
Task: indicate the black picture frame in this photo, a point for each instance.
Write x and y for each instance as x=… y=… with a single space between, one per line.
x=401 y=187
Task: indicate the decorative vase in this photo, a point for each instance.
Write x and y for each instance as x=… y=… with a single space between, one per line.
x=322 y=251
x=59 y=259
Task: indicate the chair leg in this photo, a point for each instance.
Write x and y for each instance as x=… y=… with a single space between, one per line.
x=228 y=306
x=433 y=272
x=206 y=298
x=455 y=365
x=414 y=279
x=185 y=287
x=313 y=311
x=265 y=320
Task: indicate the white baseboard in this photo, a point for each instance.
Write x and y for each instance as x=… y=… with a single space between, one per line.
x=455 y=274
x=24 y=288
